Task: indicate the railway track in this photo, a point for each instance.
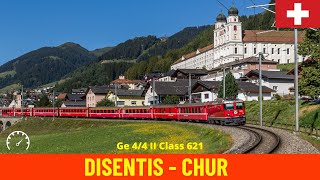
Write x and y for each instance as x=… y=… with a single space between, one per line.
x=261 y=141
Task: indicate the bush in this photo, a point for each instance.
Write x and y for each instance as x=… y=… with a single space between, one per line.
x=278 y=97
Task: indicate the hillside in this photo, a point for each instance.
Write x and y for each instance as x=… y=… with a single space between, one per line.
x=44 y=65
x=99 y=52
x=118 y=60
x=130 y=49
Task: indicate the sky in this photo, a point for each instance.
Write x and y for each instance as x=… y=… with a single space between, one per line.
x=27 y=25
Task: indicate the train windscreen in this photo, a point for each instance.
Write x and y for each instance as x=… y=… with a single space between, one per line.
x=239 y=105
x=228 y=106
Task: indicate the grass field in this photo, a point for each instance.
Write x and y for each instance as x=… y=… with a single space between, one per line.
x=275 y=112
x=4 y=74
x=80 y=136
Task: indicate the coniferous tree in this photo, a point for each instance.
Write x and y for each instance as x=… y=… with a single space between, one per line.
x=232 y=87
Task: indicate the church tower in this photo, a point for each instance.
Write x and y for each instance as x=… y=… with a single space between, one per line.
x=234 y=27
x=220 y=31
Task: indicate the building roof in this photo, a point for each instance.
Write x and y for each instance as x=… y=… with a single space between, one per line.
x=75 y=104
x=180 y=87
x=62 y=96
x=75 y=97
x=271 y=74
x=193 y=54
x=210 y=84
x=77 y=91
x=194 y=72
x=249 y=60
x=126 y=81
x=124 y=92
x=233 y=11
x=99 y=89
x=253 y=88
x=272 y=36
x=221 y=17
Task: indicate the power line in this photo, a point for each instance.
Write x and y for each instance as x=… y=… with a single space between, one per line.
x=222 y=5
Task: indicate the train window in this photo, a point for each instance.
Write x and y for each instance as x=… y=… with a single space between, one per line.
x=228 y=106
x=239 y=105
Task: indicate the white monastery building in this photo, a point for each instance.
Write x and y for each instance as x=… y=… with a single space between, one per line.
x=232 y=43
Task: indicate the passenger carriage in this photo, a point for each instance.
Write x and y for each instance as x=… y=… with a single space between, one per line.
x=26 y=112
x=136 y=113
x=112 y=113
x=73 y=112
x=165 y=112
x=193 y=112
x=7 y=112
x=46 y=112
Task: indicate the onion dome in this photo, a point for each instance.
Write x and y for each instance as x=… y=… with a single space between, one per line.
x=221 y=18
x=233 y=11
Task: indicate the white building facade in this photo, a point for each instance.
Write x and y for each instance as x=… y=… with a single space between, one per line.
x=231 y=43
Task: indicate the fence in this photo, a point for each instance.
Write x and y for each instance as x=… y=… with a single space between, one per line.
x=291 y=127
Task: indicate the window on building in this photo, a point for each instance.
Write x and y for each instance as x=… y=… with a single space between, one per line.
x=272 y=51
x=288 y=61
x=206 y=96
x=279 y=61
x=264 y=50
x=245 y=50
x=236 y=50
x=254 y=50
x=272 y=59
x=288 y=51
x=235 y=28
x=121 y=103
x=275 y=88
x=278 y=50
x=133 y=102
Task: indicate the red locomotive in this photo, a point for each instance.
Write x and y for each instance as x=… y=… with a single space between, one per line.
x=223 y=113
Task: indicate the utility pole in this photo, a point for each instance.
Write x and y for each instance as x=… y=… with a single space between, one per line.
x=296 y=78
x=54 y=113
x=115 y=94
x=224 y=82
x=22 y=101
x=260 y=89
x=153 y=90
x=189 y=89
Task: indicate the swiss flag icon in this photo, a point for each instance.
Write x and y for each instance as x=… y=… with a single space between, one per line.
x=298 y=13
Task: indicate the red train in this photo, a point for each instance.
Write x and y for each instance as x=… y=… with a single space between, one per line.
x=224 y=113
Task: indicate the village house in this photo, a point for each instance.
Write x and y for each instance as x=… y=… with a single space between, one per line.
x=240 y=68
x=163 y=89
x=279 y=81
x=123 y=97
x=128 y=84
x=95 y=94
x=207 y=91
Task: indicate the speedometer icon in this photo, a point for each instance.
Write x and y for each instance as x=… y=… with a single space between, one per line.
x=18 y=140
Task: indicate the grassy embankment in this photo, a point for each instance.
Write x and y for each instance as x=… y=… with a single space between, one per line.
x=282 y=114
x=80 y=136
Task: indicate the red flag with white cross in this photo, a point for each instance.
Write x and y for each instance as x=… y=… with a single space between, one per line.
x=297 y=13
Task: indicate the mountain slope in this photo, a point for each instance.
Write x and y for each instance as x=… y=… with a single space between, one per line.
x=45 y=65
x=105 y=71
x=131 y=49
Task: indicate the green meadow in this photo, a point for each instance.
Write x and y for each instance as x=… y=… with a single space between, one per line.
x=96 y=137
